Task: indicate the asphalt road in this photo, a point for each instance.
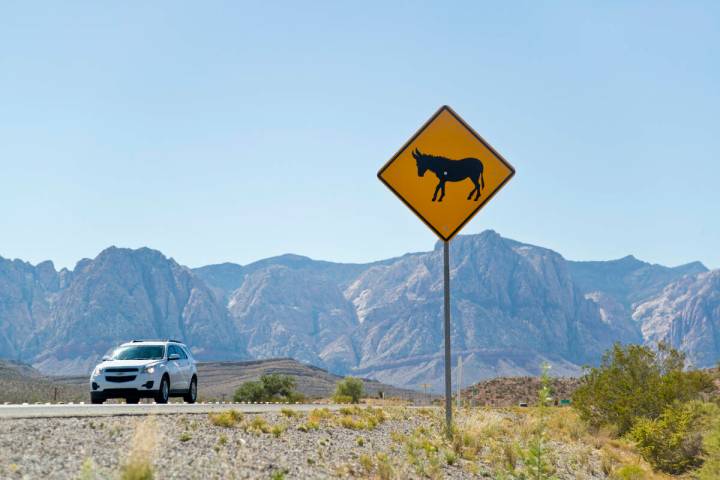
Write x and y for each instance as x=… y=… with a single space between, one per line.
x=88 y=410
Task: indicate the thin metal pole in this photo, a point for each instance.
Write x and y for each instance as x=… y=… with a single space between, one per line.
x=458 y=396
x=448 y=374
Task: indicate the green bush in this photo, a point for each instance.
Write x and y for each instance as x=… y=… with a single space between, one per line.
x=276 y=385
x=672 y=442
x=710 y=469
x=349 y=387
x=634 y=382
x=270 y=388
x=629 y=472
x=294 y=397
x=250 y=392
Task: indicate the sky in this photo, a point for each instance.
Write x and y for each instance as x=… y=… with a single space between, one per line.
x=234 y=131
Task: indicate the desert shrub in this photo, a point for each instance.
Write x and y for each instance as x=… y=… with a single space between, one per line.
x=634 y=382
x=289 y=412
x=277 y=385
x=277 y=430
x=258 y=425
x=356 y=418
x=672 y=442
x=309 y=425
x=270 y=388
x=317 y=414
x=366 y=462
x=385 y=469
x=349 y=387
x=342 y=399
x=354 y=410
x=295 y=397
x=352 y=423
x=228 y=419
x=252 y=391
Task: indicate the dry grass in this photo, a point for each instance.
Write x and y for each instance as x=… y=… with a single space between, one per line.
x=496 y=442
x=87 y=470
x=379 y=467
x=138 y=465
x=257 y=425
x=486 y=442
x=309 y=425
x=290 y=413
x=319 y=414
x=357 y=418
x=227 y=419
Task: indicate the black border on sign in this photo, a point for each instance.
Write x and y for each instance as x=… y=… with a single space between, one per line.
x=482 y=140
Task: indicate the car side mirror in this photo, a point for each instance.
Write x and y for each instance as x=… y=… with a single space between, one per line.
x=174 y=356
x=106 y=358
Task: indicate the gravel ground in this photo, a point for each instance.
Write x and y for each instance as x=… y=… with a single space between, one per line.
x=190 y=446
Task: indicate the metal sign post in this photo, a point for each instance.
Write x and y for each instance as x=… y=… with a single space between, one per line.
x=448 y=374
x=458 y=389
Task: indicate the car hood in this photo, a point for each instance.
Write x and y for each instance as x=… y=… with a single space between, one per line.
x=127 y=363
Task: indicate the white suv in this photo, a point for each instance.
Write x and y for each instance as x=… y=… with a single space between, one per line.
x=146 y=368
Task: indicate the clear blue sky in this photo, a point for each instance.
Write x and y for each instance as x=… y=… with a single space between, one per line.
x=232 y=131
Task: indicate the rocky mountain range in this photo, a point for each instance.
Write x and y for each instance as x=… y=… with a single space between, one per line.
x=514 y=306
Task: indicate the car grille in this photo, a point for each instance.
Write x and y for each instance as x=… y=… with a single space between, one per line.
x=121 y=369
x=120 y=379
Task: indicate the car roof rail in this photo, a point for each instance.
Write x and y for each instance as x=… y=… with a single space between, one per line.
x=170 y=340
x=152 y=340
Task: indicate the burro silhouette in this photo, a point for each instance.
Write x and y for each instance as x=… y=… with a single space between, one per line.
x=448 y=170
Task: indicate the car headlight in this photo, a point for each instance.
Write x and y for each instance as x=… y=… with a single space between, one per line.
x=150 y=369
x=98 y=371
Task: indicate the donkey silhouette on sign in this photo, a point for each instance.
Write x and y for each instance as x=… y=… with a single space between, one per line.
x=448 y=170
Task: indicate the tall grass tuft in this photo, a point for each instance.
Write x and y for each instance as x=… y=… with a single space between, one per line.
x=228 y=418
x=537 y=466
x=138 y=465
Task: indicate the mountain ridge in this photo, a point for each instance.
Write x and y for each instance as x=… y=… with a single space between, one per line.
x=514 y=305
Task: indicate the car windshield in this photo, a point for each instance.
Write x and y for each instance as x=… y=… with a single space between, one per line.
x=139 y=352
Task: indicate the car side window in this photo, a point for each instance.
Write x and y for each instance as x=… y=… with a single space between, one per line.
x=174 y=349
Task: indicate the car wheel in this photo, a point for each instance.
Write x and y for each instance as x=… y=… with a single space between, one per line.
x=163 y=392
x=191 y=394
x=96 y=398
x=132 y=400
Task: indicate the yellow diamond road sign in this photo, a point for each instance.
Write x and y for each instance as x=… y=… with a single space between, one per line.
x=446 y=173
